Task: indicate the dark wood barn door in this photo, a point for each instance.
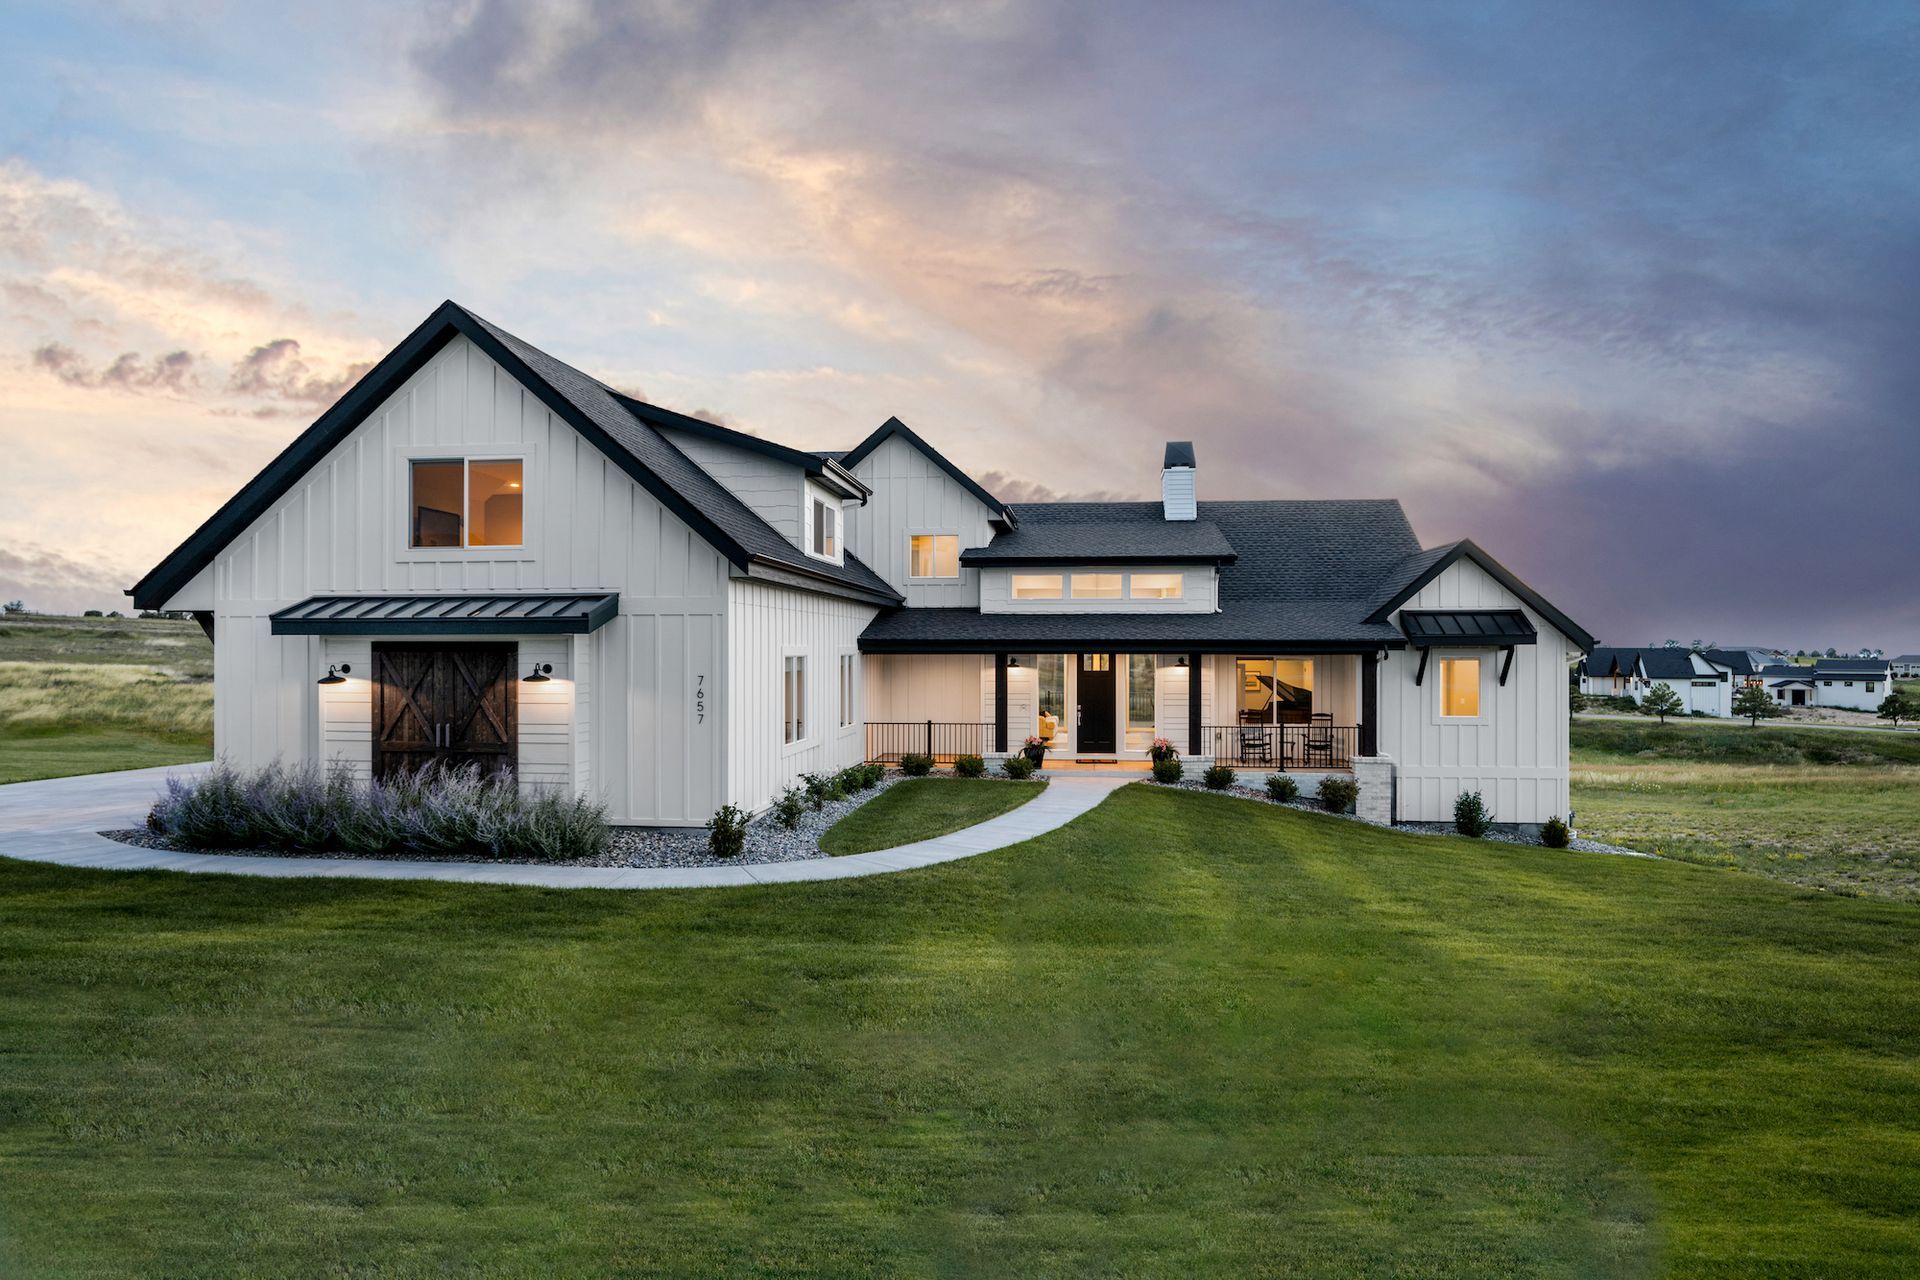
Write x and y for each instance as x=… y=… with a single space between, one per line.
x=457 y=704
x=1095 y=680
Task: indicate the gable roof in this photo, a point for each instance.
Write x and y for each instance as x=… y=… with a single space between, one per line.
x=1851 y=667
x=826 y=466
x=1421 y=567
x=1611 y=661
x=894 y=427
x=593 y=409
x=1738 y=661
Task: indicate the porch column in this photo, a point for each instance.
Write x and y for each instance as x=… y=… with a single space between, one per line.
x=1000 y=702
x=1194 y=690
x=1369 y=704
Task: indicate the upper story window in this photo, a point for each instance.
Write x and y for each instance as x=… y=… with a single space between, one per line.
x=933 y=555
x=1096 y=586
x=1158 y=586
x=1460 y=687
x=1038 y=586
x=466 y=502
x=826 y=529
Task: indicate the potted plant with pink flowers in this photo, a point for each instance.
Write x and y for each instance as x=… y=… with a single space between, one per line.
x=1163 y=750
x=1035 y=749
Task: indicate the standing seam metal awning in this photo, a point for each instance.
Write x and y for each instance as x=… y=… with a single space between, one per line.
x=514 y=613
x=1467 y=627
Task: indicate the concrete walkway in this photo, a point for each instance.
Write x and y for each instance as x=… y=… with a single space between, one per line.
x=59 y=821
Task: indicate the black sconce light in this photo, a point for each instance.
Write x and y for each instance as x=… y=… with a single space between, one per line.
x=335 y=675
x=1012 y=661
x=1181 y=661
x=539 y=674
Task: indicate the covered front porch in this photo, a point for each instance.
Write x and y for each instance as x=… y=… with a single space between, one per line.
x=1247 y=709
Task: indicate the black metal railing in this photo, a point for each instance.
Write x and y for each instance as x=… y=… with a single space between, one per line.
x=888 y=740
x=1281 y=746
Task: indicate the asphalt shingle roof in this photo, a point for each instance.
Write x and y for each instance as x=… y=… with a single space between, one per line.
x=1040 y=540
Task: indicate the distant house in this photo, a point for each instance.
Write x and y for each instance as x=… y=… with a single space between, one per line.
x=1703 y=684
x=1856 y=684
x=1906 y=666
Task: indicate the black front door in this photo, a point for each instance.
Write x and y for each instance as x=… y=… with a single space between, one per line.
x=456 y=704
x=1096 y=702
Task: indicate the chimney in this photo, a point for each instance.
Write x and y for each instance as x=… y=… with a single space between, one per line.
x=1177 y=501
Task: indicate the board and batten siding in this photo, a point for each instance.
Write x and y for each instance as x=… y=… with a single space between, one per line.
x=766 y=623
x=1515 y=753
x=342 y=528
x=774 y=489
x=1196 y=591
x=912 y=494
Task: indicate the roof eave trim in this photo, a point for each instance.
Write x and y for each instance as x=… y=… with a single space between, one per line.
x=787 y=575
x=1030 y=644
x=969 y=557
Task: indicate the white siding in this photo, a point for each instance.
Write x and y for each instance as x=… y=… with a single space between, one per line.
x=930 y=686
x=912 y=494
x=341 y=528
x=1515 y=754
x=1197 y=591
x=766 y=623
x=771 y=487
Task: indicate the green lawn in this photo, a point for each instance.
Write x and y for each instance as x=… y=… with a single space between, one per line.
x=921 y=808
x=1823 y=809
x=1186 y=1035
x=90 y=695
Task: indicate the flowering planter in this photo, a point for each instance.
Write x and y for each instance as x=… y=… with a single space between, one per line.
x=1036 y=754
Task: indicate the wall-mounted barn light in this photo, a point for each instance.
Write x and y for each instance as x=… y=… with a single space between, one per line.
x=539 y=674
x=336 y=675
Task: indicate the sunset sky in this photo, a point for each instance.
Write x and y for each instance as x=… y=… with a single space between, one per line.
x=1630 y=294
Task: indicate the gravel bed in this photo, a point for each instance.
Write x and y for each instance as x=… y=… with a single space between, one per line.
x=1579 y=844
x=767 y=841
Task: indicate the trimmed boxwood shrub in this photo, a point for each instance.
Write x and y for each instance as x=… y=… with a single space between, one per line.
x=1017 y=766
x=727 y=831
x=1283 y=788
x=1470 y=816
x=433 y=810
x=971 y=766
x=1168 y=770
x=1218 y=777
x=1555 y=834
x=1338 y=794
x=916 y=765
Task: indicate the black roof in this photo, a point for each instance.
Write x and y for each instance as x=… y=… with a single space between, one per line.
x=589 y=406
x=1657 y=662
x=1434 y=628
x=827 y=466
x=1321 y=626
x=484 y=613
x=1738 y=661
x=1609 y=660
x=1179 y=454
x=1042 y=540
x=1417 y=568
x=1792 y=672
x=894 y=427
x=1851 y=667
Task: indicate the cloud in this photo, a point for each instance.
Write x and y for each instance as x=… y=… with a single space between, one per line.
x=1011 y=488
x=170 y=372
x=51 y=582
x=274 y=370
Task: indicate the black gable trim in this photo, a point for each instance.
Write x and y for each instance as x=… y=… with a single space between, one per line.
x=814 y=464
x=894 y=427
x=1466 y=549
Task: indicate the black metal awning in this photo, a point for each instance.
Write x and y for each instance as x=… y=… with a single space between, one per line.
x=1455 y=628
x=490 y=613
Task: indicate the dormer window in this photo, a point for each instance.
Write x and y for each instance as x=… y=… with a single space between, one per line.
x=466 y=502
x=826 y=529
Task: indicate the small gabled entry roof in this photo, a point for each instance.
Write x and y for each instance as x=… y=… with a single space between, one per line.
x=589 y=406
x=517 y=613
x=1423 y=567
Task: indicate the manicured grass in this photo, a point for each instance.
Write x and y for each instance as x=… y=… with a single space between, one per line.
x=91 y=695
x=921 y=808
x=1186 y=1035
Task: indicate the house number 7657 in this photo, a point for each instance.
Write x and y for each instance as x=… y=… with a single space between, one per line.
x=700 y=699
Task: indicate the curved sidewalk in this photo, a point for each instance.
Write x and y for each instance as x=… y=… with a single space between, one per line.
x=59 y=821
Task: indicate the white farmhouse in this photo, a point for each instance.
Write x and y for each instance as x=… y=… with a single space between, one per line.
x=1704 y=682
x=1857 y=684
x=482 y=555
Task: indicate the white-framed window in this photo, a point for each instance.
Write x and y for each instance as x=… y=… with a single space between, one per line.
x=1157 y=586
x=849 y=689
x=1037 y=586
x=826 y=529
x=794 y=698
x=1459 y=688
x=933 y=556
x=1847 y=683
x=1872 y=685
x=1096 y=586
x=469 y=501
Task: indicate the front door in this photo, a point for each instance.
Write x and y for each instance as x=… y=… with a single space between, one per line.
x=1799 y=697
x=1096 y=702
x=454 y=704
